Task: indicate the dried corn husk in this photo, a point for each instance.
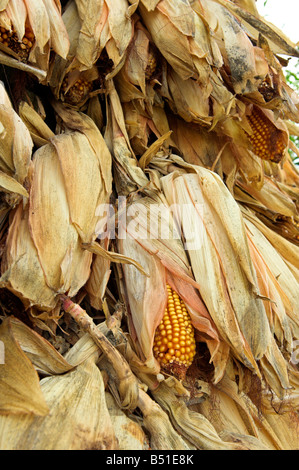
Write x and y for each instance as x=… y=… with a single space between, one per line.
x=78 y=166
x=251 y=413
x=15 y=143
x=87 y=425
x=212 y=263
x=153 y=79
x=19 y=384
x=195 y=427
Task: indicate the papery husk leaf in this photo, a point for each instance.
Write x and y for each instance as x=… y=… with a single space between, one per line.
x=146 y=296
x=159 y=249
x=50 y=215
x=39 y=131
x=279 y=269
x=86 y=425
x=97 y=282
x=119 y=23
x=10 y=185
x=246 y=68
x=3 y=4
x=77 y=121
x=60 y=42
x=39 y=22
x=122 y=378
x=195 y=143
x=20 y=390
x=287 y=250
x=149 y=4
x=272 y=197
x=189 y=98
x=45 y=358
x=14 y=63
x=128 y=176
x=284 y=422
x=86 y=347
x=21 y=270
x=171 y=42
x=273 y=298
x=113 y=256
x=17 y=12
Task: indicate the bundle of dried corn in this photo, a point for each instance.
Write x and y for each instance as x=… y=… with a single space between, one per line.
x=149 y=227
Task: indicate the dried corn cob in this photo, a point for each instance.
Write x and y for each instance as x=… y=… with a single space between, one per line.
x=77 y=92
x=21 y=48
x=174 y=341
x=267 y=140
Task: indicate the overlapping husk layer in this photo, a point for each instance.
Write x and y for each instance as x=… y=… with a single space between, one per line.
x=146 y=144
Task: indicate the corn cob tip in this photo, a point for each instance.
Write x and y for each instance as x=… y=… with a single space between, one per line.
x=174 y=342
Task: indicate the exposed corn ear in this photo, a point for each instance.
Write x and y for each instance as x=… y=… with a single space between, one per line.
x=267 y=140
x=22 y=48
x=174 y=341
x=31 y=30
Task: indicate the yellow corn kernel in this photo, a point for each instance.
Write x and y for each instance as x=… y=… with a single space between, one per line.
x=267 y=141
x=176 y=354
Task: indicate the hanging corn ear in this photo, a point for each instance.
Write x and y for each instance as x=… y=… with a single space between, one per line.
x=174 y=341
x=164 y=259
x=207 y=217
x=268 y=141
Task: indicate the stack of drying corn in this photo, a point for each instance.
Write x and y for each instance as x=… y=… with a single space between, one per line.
x=149 y=227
